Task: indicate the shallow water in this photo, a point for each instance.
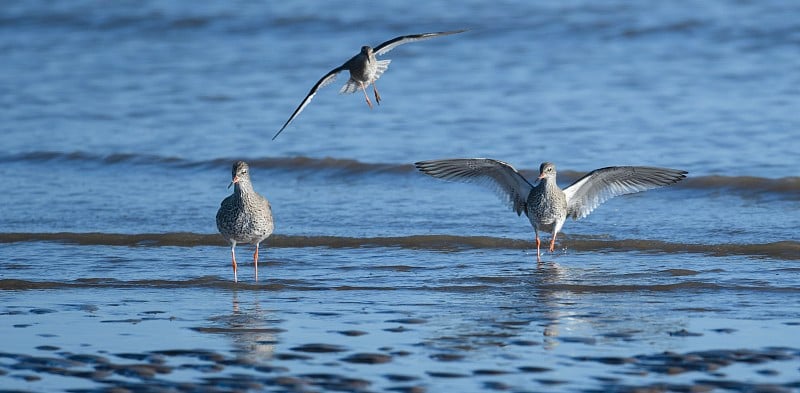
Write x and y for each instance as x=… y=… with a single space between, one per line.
x=120 y=124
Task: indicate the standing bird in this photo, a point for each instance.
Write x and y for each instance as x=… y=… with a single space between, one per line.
x=546 y=205
x=245 y=216
x=364 y=69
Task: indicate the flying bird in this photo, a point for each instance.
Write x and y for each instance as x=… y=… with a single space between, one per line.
x=546 y=205
x=364 y=69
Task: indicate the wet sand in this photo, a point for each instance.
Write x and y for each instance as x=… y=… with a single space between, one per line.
x=259 y=339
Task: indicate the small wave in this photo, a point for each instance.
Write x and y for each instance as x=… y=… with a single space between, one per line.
x=85 y=157
x=747 y=186
x=687 y=286
x=686 y=26
x=681 y=286
x=787 y=250
x=204 y=282
x=294 y=163
x=789 y=187
x=278 y=285
x=144 y=19
x=138 y=20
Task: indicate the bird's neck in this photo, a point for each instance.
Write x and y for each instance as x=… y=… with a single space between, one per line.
x=243 y=190
x=548 y=183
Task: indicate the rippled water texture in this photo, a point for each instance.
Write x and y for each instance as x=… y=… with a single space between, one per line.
x=120 y=121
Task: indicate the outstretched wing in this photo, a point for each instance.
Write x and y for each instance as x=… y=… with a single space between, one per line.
x=324 y=81
x=394 y=42
x=600 y=185
x=502 y=177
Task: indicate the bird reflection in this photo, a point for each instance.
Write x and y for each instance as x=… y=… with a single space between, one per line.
x=519 y=311
x=547 y=302
x=251 y=329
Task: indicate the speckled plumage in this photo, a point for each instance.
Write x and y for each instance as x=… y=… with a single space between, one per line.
x=245 y=216
x=546 y=205
x=364 y=69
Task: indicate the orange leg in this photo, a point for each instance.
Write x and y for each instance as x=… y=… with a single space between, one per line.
x=538 y=242
x=255 y=261
x=377 y=96
x=553 y=242
x=233 y=260
x=364 y=89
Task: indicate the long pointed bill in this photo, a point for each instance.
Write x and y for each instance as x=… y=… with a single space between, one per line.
x=234 y=181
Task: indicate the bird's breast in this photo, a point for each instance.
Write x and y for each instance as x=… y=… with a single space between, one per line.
x=546 y=207
x=364 y=71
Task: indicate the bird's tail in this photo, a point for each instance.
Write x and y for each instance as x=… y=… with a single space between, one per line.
x=383 y=65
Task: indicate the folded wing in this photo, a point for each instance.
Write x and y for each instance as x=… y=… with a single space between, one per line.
x=600 y=185
x=509 y=184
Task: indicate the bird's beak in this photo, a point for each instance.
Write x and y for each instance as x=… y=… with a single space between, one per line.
x=234 y=181
x=541 y=176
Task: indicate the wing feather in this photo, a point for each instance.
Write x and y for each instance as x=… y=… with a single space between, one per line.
x=324 y=81
x=600 y=185
x=509 y=184
x=404 y=39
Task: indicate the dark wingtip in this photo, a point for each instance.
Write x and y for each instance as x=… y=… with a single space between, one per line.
x=451 y=32
x=681 y=174
x=421 y=164
x=278 y=133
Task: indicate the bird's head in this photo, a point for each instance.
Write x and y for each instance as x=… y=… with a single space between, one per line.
x=547 y=170
x=366 y=50
x=240 y=173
